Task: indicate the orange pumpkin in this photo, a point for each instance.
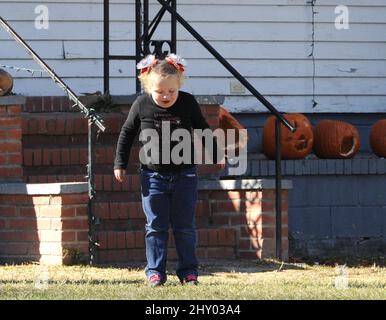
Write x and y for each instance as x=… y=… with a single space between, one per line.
x=294 y=145
x=378 y=138
x=336 y=140
x=6 y=82
x=227 y=121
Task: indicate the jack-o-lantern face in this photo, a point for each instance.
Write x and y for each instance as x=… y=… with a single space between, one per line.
x=336 y=140
x=294 y=145
x=378 y=138
x=6 y=82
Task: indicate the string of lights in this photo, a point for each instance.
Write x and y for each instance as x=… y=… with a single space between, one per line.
x=312 y=3
x=17 y=69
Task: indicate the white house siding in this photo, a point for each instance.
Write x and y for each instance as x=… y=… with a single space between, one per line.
x=268 y=41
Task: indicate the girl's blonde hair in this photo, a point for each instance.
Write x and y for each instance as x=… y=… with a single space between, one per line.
x=150 y=67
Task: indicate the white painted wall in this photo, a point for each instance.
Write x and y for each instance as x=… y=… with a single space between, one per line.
x=268 y=41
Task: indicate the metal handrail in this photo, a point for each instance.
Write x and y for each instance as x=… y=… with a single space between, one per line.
x=90 y=114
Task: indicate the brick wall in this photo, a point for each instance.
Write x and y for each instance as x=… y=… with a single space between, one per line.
x=55 y=141
x=232 y=222
x=237 y=222
x=10 y=140
x=43 y=222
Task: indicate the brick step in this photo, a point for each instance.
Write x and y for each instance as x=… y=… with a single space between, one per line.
x=35 y=141
x=74 y=123
x=257 y=221
x=48 y=104
x=62 y=123
x=132 y=209
x=64 y=159
x=64 y=137
x=124 y=246
x=123 y=256
x=73 y=155
x=136 y=239
x=66 y=156
x=54 y=178
x=102 y=182
x=54 y=104
x=61 y=173
x=138 y=223
x=104 y=179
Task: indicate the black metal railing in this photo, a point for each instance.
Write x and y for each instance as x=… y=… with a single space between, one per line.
x=143 y=42
x=93 y=119
x=144 y=31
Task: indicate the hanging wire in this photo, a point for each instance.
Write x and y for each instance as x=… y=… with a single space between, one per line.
x=312 y=3
x=17 y=69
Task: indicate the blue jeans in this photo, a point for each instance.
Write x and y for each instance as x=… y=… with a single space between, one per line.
x=170 y=199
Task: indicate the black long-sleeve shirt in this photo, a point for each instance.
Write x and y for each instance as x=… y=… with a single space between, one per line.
x=146 y=114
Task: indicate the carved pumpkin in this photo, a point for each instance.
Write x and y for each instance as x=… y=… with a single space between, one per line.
x=378 y=138
x=227 y=121
x=6 y=82
x=336 y=140
x=294 y=145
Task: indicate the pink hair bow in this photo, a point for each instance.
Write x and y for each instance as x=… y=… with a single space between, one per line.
x=147 y=63
x=150 y=61
x=175 y=60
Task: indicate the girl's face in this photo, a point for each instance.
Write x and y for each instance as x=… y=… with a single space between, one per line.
x=164 y=91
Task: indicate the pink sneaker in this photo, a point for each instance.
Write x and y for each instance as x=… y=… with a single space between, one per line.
x=155 y=280
x=190 y=279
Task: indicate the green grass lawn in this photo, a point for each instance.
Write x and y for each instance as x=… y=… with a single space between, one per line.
x=219 y=280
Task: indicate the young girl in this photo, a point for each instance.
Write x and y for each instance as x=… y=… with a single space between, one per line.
x=168 y=189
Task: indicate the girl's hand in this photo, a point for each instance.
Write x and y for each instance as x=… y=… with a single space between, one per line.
x=220 y=166
x=119 y=174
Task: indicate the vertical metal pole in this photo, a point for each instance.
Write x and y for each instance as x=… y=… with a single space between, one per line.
x=145 y=42
x=138 y=42
x=91 y=193
x=106 y=46
x=278 y=187
x=174 y=28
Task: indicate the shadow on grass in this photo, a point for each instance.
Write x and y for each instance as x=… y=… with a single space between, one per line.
x=349 y=261
x=211 y=266
x=75 y=282
x=364 y=285
x=208 y=267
